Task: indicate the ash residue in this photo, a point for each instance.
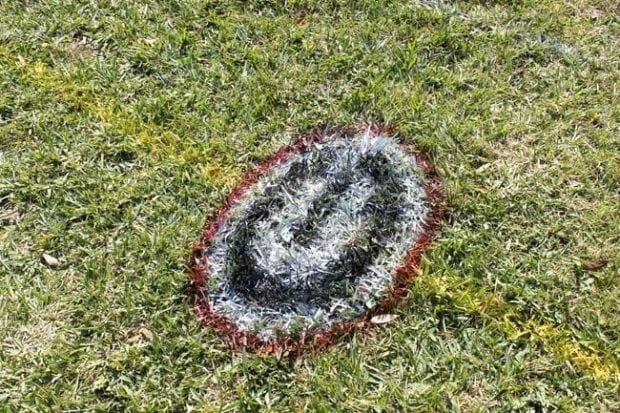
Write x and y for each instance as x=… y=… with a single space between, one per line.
x=315 y=240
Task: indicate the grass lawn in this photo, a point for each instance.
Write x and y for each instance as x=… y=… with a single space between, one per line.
x=124 y=124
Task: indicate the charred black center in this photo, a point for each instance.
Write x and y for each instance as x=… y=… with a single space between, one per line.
x=381 y=213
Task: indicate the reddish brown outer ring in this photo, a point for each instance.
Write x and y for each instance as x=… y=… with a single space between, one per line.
x=315 y=339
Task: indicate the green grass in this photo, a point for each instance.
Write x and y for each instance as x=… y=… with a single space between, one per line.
x=123 y=126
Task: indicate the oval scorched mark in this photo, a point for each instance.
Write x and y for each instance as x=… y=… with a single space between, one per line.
x=314 y=237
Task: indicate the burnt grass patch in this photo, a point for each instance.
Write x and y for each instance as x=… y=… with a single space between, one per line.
x=315 y=241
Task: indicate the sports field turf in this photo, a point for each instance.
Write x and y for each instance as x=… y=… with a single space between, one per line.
x=124 y=124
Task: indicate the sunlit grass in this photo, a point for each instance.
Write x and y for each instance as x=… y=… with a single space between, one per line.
x=124 y=125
